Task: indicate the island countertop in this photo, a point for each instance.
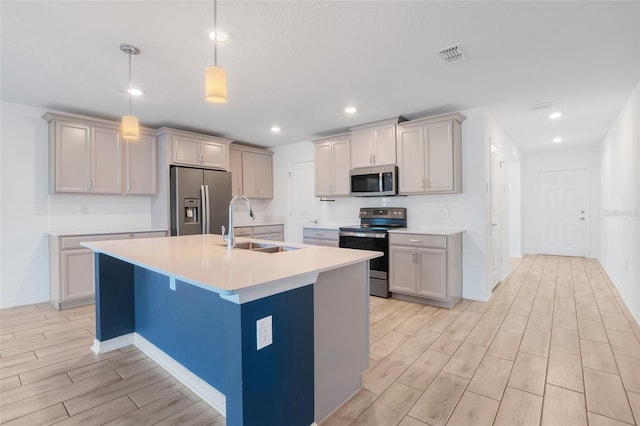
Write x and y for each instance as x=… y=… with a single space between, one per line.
x=204 y=260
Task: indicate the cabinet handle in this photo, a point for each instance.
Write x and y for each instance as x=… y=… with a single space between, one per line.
x=374 y=159
x=128 y=186
x=427 y=183
x=93 y=184
x=415 y=241
x=415 y=260
x=424 y=184
x=88 y=184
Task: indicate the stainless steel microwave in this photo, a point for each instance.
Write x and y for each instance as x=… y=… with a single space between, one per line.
x=374 y=181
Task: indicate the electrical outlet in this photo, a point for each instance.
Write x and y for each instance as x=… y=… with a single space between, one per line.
x=84 y=209
x=264 y=332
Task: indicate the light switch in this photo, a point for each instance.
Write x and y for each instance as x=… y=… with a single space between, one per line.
x=264 y=332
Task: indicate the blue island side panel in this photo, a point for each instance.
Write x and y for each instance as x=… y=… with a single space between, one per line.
x=114 y=297
x=186 y=323
x=278 y=380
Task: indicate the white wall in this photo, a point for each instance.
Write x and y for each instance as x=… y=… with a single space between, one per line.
x=509 y=153
x=620 y=227
x=560 y=159
x=515 y=209
x=467 y=209
x=28 y=211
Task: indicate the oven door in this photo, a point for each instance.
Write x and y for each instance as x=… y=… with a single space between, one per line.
x=369 y=241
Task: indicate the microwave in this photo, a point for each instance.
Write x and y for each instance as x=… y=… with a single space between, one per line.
x=374 y=181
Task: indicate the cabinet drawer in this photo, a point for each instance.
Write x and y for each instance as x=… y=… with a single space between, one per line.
x=150 y=234
x=271 y=237
x=325 y=234
x=418 y=240
x=74 y=242
x=242 y=231
x=311 y=241
x=268 y=229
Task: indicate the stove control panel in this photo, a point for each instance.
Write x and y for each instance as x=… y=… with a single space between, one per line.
x=383 y=213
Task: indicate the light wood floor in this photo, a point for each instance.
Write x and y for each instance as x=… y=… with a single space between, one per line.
x=48 y=375
x=555 y=346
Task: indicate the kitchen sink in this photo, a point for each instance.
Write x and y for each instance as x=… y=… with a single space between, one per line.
x=264 y=248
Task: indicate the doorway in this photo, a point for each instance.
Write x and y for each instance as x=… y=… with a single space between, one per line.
x=304 y=207
x=562 y=212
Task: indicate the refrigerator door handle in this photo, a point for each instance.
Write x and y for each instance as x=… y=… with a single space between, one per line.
x=203 y=215
x=206 y=190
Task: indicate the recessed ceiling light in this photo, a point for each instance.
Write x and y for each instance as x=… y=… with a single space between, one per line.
x=223 y=36
x=555 y=115
x=135 y=92
x=350 y=110
x=275 y=129
x=557 y=140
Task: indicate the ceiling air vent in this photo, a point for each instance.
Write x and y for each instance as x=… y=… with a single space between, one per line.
x=539 y=106
x=452 y=54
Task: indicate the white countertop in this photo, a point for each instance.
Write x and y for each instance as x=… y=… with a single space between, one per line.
x=324 y=227
x=434 y=230
x=204 y=260
x=99 y=231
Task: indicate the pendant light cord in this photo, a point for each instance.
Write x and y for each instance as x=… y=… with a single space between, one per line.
x=130 y=110
x=215 y=32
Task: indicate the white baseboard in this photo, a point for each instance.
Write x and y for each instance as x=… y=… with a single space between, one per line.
x=13 y=303
x=623 y=296
x=113 y=344
x=208 y=393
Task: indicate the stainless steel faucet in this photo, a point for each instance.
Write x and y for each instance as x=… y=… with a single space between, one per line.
x=231 y=239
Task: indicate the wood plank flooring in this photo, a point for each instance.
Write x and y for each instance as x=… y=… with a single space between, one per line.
x=49 y=375
x=554 y=346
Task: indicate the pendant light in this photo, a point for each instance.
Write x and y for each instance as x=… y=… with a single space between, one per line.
x=130 y=128
x=215 y=76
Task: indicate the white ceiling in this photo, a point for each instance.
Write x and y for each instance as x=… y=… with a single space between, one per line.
x=297 y=64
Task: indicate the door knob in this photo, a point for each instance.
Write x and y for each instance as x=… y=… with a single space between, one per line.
x=314 y=221
x=581 y=218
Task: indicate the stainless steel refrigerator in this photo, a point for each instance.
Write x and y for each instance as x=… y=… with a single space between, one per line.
x=199 y=200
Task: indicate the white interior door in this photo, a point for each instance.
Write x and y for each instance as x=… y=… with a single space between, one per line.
x=304 y=207
x=562 y=208
x=497 y=192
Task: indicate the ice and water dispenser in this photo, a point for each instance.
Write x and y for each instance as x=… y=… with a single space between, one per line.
x=191 y=210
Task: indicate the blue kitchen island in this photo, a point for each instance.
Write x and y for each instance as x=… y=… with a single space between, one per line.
x=193 y=306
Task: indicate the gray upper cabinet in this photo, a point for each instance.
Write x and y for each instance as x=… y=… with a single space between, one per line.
x=430 y=155
x=332 y=163
x=251 y=171
x=88 y=155
x=374 y=144
x=193 y=149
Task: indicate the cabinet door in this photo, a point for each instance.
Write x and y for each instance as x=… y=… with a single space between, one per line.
x=264 y=176
x=432 y=273
x=106 y=157
x=341 y=167
x=77 y=273
x=402 y=269
x=411 y=157
x=187 y=150
x=214 y=154
x=439 y=137
x=324 y=169
x=249 y=164
x=72 y=158
x=329 y=243
x=141 y=170
x=361 y=155
x=235 y=167
x=384 y=146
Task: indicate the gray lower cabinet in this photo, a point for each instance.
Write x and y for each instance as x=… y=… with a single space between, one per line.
x=424 y=266
x=320 y=237
x=71 y=266
x=261 y=232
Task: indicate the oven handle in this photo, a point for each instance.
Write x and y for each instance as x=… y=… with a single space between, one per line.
x=363 y=234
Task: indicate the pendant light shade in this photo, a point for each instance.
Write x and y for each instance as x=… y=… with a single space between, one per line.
x=215 y=78
x=130 y=127
x=216 y=84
